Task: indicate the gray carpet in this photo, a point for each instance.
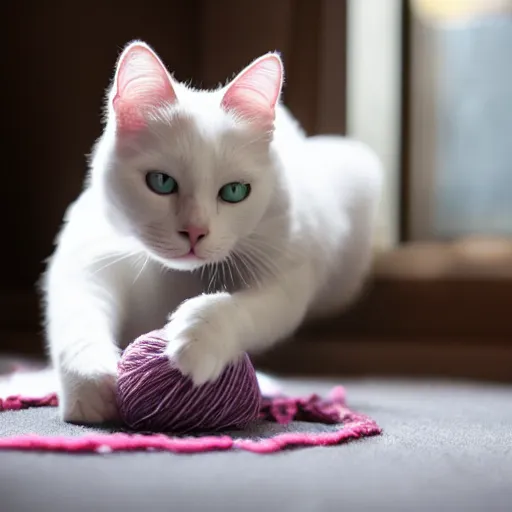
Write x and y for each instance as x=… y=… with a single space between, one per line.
x=45 y=422
x=445 y=447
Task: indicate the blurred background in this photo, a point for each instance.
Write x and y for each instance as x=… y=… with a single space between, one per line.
x=427 y=83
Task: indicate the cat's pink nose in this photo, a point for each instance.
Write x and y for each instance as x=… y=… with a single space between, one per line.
x=194 y=233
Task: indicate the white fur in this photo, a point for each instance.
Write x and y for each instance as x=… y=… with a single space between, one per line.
x=298 y=247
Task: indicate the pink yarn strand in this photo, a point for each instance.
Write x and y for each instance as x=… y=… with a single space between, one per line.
x=349 y=425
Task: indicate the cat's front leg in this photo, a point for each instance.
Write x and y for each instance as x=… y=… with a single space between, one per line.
x=81 y=316
x=208 y=332
x=87 y=383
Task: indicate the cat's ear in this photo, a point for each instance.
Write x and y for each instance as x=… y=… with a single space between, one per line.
x=141 y=84
x=254 y=92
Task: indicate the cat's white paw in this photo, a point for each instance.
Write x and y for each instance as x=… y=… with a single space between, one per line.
x=202 y=337
x=88 y=400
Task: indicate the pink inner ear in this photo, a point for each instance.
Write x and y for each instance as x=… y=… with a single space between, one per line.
x=142 y=83
x=253 y=94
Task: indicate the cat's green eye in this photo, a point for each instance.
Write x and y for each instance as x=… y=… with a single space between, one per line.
x=161 y=183
x=234 y=192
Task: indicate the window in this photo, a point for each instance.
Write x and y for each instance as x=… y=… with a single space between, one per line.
x=461 y=119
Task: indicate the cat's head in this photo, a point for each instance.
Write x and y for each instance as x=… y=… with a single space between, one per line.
x=188 y=173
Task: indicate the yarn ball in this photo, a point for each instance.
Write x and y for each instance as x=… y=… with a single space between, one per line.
x=153 y=395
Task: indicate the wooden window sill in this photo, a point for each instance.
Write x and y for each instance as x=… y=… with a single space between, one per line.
x=470 y=258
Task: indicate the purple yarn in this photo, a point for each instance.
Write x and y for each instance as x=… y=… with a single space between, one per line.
x=153 y=395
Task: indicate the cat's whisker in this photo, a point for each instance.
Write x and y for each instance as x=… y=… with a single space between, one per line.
x=141 y=270
x=248 y=264
x=223 y=265
x=276 y=254
x=212 y=277
x=90 y=252
x=266 y=255
x=233 y=258
x=230 y=263
x=261 y=264
x=267 y=242
x=113 y=262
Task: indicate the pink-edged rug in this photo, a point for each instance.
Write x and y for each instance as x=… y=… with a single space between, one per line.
x=31 y=423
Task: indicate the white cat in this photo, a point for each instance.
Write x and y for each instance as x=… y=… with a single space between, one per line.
x=217 y=197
